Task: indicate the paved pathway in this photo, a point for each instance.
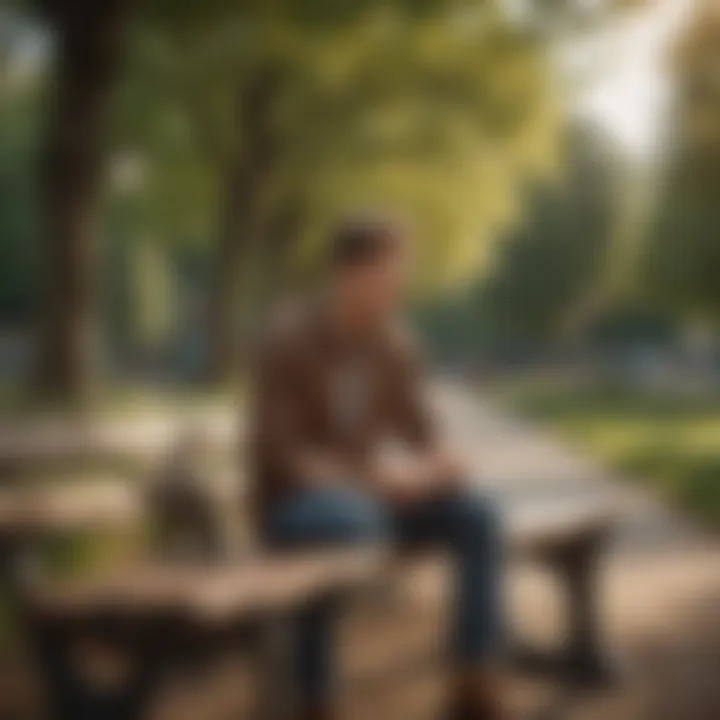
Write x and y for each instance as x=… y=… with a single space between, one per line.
x=522 y=465
x=662 y=589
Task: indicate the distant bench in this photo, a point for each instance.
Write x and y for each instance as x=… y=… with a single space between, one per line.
x=162 y=616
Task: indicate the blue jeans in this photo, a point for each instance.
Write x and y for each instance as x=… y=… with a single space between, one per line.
x=466 y=524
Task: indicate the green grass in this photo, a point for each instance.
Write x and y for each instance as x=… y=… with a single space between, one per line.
x=668 y=441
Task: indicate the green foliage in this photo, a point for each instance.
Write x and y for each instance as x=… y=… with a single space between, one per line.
x=18 y=214
x=628 y=324
x=555 y=259
x=681 y=260
x=431 y=109
x=667 y=441
x=174 y=189
x=431 y=123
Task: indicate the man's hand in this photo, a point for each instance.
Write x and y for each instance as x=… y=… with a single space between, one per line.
x=410 y=479
x=447 y=470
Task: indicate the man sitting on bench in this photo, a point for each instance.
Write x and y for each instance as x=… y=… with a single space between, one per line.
x=338 y=382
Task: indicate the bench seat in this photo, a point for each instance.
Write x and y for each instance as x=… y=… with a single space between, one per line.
x=32 y=513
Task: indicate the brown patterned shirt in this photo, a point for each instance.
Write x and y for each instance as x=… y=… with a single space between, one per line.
x=318 y=393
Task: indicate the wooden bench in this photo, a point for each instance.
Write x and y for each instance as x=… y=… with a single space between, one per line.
x=29 y=515
x=570 y=543
x=164 y=616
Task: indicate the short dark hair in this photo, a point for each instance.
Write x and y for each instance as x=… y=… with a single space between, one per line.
x=363 y=241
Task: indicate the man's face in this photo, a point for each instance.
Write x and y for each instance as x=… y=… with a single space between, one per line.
x=377 y=289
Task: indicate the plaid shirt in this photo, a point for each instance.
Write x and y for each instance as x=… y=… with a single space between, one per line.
x=300 y=407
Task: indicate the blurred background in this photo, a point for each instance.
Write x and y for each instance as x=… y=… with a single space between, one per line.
x=169 y=169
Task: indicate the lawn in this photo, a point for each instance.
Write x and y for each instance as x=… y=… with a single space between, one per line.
x=670 y=442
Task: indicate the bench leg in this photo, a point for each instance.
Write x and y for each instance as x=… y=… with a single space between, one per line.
x=585 y=655
x=18 y=560
x=277 y=698
x=583 y=658
x=73 y=697
x=583 y=649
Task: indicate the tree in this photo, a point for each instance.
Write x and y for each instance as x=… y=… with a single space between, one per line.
x=422 y=110
x=434 y=108
x=556 y=257
x=89 y=40
x=681 y=260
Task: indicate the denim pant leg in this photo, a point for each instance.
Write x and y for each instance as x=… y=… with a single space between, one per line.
x=323 y=517
x=469 y=526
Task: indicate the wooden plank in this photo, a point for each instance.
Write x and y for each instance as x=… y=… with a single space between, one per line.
x=211 y=594
x=145 y=435
x=36 y=512
x=537 y=530
x=274 y=582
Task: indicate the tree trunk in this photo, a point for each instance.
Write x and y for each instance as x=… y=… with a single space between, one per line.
x=242 y=215
x=89 y=47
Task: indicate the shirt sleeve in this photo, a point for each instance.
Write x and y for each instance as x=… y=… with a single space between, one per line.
x=415 y=421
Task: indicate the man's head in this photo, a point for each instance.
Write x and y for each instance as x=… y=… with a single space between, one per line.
x=370 y=263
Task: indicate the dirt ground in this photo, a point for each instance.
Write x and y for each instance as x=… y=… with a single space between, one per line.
x=660 y=606
x=662 y=619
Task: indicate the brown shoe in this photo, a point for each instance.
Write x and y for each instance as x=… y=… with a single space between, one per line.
x=477 y=696
x=467 y=711
x=319 y=713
